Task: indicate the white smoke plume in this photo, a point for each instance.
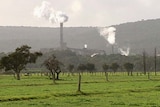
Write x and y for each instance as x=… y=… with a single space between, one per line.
x=43 y=11
x=108 y=34
x=85 y=46
x=123 y=52
x=94 y=54
x=58 y=17
x=47 y=12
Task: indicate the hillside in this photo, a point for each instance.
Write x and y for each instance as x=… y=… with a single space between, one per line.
x=136 y=35
x=140 y=35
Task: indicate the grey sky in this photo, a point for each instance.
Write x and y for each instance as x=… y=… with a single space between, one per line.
x=80 y=12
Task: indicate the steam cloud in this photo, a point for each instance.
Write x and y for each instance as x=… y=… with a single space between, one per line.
x=94 y=54
x=47 y=12
x=85 y=46
x=125 y=53
x=108 y=34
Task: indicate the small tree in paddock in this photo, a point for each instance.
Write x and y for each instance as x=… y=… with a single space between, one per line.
x=90 y=67
x=129 y=68
x=53 y=65
x=18 y=60
x=81 y=67
x=105 y=69
x=114 y=67
x=70 y=68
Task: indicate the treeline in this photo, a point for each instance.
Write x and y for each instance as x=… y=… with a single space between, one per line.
x=68 y=58
x=57 y=61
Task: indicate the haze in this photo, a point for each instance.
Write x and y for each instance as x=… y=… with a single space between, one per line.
x=80 y=12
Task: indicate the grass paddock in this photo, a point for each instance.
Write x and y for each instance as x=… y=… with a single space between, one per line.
x=120 y=91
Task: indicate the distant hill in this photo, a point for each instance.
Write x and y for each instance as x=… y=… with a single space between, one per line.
x=139 y=35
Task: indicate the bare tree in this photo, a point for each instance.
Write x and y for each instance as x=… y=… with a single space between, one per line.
x=53 y=65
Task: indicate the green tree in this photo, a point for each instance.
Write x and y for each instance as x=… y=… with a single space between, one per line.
x=114 y=67
x=105 y=67
x=90 y=67
x=129 y=67
x=18 y=60
x=53 y=65
x=81 y=67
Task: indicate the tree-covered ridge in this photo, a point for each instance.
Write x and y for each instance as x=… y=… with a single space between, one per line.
x=136 y=35
x=68 y=58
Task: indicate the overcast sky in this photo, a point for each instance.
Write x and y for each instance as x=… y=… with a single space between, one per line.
x=80 y=12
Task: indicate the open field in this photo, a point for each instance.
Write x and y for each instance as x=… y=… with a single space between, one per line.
x=120 y=91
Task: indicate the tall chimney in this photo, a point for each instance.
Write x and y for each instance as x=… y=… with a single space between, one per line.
x=61 y=36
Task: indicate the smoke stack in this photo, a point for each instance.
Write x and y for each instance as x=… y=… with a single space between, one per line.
x=47 y=12
x=61 y=36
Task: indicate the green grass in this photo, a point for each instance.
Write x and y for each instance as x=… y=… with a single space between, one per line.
x=120 y=91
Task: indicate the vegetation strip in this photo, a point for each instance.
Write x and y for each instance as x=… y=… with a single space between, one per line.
x=23 y=98
x=48 y=96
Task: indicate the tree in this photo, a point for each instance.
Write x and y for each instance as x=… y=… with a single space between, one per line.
x=90 y=67
x=155 y=61
x=81 y=67
x=129 y=67
x=114 y=67
x=105 y=68
x=70 y=68
x=144 y=62
x=53 y=65
x=18 y=60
